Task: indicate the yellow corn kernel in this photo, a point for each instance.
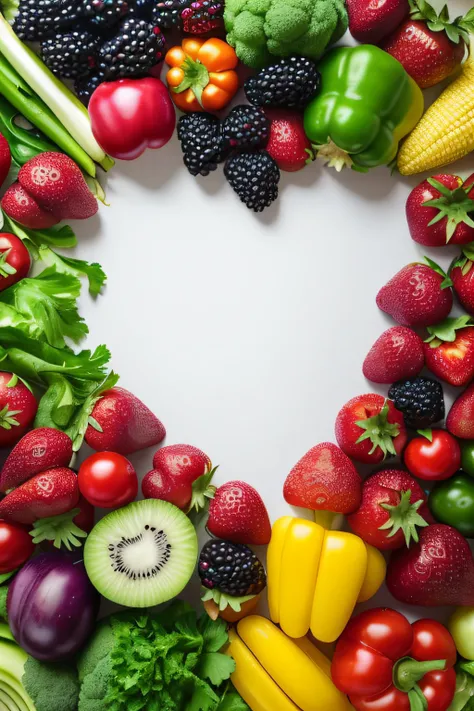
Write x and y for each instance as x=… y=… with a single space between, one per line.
x=375 y=574
x=274 y=560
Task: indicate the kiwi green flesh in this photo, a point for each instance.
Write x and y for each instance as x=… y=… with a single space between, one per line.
x=143 y=554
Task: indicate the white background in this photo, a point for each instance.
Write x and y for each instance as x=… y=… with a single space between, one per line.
x=246 y=333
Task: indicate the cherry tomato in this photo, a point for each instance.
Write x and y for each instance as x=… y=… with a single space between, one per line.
x=15 y=260
x=438 y=687
x=108 y=480
x=432 y=640
x=435 y=460
x=390 y=700
x=16 y=546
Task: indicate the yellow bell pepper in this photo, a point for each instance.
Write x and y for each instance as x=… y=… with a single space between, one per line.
x=276 y=673
x=316 y=577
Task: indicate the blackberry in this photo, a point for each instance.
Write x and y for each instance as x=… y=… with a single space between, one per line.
x=142 y=8
x=289 y=83
x=137 y=47
x=231 y=568
x=72 y=54
x=201 y=142
x=104 y=13
x=246 y=127
x=86 y=85
x=420 y=400
x=254 y=177
x=39 y=19
x=195 y=17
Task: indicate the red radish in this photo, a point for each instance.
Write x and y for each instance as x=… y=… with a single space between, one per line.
x=370 y=22
x=440 y=211
x=15 y=260
x=324 y=479
x=460 y=420
x=18 y=408
x=120 y=422
x=439 y=570
x=418 y=295
x=57 y=184
x=238 y=514
x=5 y=159
x=182 y=475
x=288 y=144
x=462 y=275
x=37 y=451
x=449 y=350
x=397 y=354
x=393 y=507
x=50 y=493
x=22 y=208
x=369 y=427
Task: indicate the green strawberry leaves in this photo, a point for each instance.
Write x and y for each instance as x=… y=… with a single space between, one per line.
x=404 y=516
x=379 y=431
x=203 y=491
x=446 y=331
x=222 y=600
x=61 y=530
x=454 y=205
x=446 y=283
x=456 y=30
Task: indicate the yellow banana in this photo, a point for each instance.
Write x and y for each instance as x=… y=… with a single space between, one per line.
x=375 y=574
x=274 y=560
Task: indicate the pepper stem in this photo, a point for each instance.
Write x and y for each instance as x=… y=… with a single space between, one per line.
x=408 y=671
x=417 y=699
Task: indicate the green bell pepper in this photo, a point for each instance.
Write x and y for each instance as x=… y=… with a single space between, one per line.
x=367 y=103
x=452 y=502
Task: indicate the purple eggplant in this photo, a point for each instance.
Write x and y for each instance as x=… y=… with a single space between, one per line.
x=52 y=606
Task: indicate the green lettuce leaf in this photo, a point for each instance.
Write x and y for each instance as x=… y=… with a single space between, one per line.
x=76 y=267
x=232 y=701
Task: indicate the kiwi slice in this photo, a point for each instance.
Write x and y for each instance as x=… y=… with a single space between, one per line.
x=143 y=554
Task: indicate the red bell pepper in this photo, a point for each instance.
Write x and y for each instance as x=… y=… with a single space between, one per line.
x=130 y=115
x=383 y=663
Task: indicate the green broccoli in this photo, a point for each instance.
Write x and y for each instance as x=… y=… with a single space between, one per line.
x=261 y=28
x=51 y=686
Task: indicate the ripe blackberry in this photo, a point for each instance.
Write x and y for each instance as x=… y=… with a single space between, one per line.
x=142 y=8
x=104 y=13
x=38 y=19
x=201 y=142
x=420 y=400
x=86 y=85
x=289 y=83
x=72 y=54
x=134 y=50
x=195 y=17
x=254 y=177
x=232 y=568
x=246 y=127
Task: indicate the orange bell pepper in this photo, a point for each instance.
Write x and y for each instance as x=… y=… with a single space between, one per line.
x=201 y=75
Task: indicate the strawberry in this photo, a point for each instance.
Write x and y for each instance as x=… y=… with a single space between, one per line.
x=22 y=208
x=439 y=570
x=17 y=408
x=324 y=479
x=449 y=350
x=461 y=274
x=121 y=423
x=393 y=506
x=428 y=45
x=370 y=22
x=440 y=210
x=369 y=427
x=238 y=514
x=460 y=420
x=50 y=493
x=5 y=159
x=288 y=144
x=418 y=295
x=57 y=184
x=37 y=451
x=182 y=475
x=397 y=354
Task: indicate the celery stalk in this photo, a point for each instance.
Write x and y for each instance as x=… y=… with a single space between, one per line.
x=62 y=102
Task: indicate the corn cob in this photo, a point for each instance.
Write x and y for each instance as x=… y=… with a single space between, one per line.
x=446 y=131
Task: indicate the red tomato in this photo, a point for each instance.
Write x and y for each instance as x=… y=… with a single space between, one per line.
x=15 y=260
x=432 y=640
x=108 y=480
x=390 y=700
x=16 y=546
x=435 y=460
x=439 y=687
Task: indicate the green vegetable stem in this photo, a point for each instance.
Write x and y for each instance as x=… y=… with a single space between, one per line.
x=24 y=143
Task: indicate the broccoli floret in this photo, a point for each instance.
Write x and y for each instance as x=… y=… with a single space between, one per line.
x=261 y=28
x=51 y=686
x=95 y=668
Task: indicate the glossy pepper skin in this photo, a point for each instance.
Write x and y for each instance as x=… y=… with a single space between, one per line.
x=202 y=76
x=366 y=105
x=452 y=502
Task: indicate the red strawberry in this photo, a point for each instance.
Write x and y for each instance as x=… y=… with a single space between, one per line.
x=439 y=570
x=370 y=22
x=440 y=211
x=5 y=159
x=50 y=493
x=460 y=420
x=57 y=184
x=182 y=475
x=462 y=275
x=428 y=45
x=418 y=295
x=393 y=505
x=121 y=423
x=397 y=354
x=369 y=427
x=238 y=514
x=324 y=479
x=17 y=408
x=37 y=451
x=22 y=208
x=288 y=144
x=449 y=351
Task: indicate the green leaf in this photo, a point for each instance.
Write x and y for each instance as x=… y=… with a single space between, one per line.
x=60 y=530
x=426 y=433
x=446 y=331
x=446 y=280
x=57 y=236
x=214 y=633
x=405 y=517
x=6 y=576
x=202 y=491
x=380 y=432
x=76 y=267
x=216 y=667
x=232 y=701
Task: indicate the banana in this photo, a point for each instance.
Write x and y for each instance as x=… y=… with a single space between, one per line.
x=274 y=562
